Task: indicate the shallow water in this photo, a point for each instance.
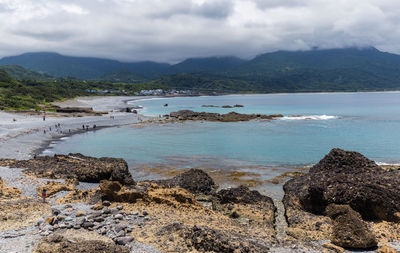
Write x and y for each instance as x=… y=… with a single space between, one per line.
x=365 y=122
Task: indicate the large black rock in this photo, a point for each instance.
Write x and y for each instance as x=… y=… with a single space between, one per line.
x=194 y=180
x=345 y=177
x=349 y=230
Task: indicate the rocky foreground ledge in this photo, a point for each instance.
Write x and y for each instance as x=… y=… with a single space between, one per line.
x=228 y=117
x=345 y=202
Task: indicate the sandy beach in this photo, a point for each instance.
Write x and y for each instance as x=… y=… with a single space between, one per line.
x=22 y=136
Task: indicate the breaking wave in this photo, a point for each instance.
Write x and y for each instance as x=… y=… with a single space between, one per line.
x=310 y=117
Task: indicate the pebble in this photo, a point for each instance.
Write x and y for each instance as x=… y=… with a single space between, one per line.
x=80 y=220
x=106 y=203
x=48 y=228
x=121 y=233
x=61 y=217
x=80 y=213
x=145 y=213
x=119 y=216
x=68 y=218
x=88 y=225
x=45 y=233
x=123 y=240
x=55 y=211
x=120 y=207
x=103 y=231
x=135 y=213
x=119 y=227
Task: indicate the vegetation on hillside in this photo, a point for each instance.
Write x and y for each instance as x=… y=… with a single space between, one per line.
x=349 y=69
x=33 y=94
x=21 y=73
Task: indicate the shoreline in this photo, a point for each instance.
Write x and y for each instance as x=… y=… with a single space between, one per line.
x=29 y=135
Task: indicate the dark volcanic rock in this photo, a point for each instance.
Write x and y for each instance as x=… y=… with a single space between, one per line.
x=344 y=177
x=349 y=230
x=194 y=180
x=84 y=168
x=58 y=243
x=205 y=239
x=244 y=203
x=229 y=117
x=114 y=191
x=241 y=194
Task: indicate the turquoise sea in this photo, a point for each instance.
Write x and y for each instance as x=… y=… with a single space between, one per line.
x=365 y=122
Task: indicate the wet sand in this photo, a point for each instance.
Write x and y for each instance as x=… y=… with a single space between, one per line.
x=22 y=135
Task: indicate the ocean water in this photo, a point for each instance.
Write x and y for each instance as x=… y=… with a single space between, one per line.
x=365 y=122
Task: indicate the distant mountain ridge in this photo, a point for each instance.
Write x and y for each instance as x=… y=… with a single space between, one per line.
x=281 y=71
x=79 y=67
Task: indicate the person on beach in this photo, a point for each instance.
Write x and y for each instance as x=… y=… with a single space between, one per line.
x=44 y=117
x=44 y=195
x=83 y=127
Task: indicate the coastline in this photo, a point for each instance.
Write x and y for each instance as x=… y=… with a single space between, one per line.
x=160 y=215
x=29 y=135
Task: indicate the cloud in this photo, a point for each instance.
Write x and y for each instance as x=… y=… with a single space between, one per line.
x=133 y=30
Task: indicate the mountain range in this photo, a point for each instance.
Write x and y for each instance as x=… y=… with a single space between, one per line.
x=281 y=71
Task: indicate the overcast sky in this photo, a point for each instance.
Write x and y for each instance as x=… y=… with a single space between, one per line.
x=172 y=30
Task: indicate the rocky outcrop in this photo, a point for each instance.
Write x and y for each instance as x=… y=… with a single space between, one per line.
x=194 y=180
x=8 y=192
x=83 y=168
x=17 y=214
x=349 y=230
x=204 y=239
x=345 y=177
x=229 y=117
x=114 y=191
x=58 y=243
x=241 y=194
x=224 y=106
x=246 y=206
x=146 y=192
x=52 y=187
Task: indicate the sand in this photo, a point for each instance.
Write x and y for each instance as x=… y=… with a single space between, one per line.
x=22 y=136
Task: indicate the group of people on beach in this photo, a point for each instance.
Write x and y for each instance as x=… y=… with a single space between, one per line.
x=57 y=128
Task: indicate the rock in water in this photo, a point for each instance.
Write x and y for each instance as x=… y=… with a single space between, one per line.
x=349 y=230
x=194 y=180
x=83 y=168
x=228 y=117
x=345 y=177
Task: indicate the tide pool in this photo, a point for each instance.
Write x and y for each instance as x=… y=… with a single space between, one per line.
x=365 y=122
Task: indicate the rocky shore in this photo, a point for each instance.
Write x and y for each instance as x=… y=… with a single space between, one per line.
x=228 y=117
x=345 y=202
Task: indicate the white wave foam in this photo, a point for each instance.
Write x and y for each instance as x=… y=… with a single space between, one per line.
x=310 y=117
x=392 y=163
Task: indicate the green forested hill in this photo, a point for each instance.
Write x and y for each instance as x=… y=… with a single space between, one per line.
x=349 y=69
x=21 y=73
